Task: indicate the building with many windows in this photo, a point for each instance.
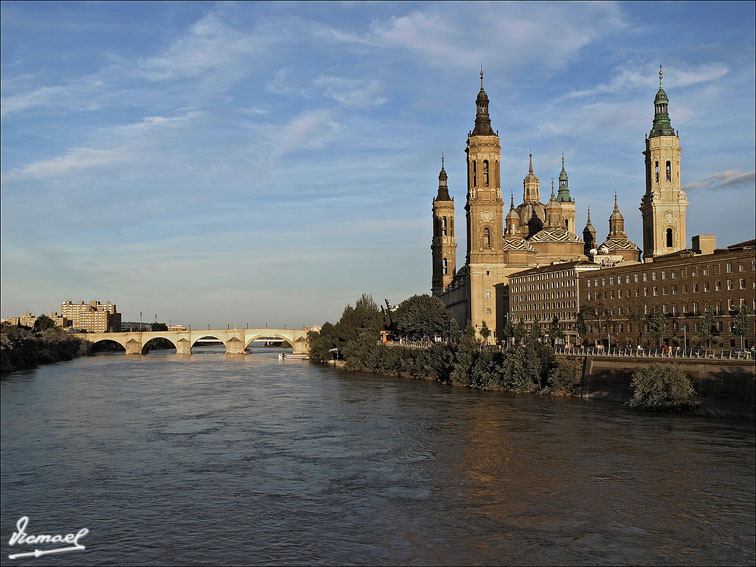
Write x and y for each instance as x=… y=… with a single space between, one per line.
x=682 y=286
x=93 y=317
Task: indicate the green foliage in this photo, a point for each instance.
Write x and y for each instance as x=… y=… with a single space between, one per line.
x=520 y=331
x=535 y=331
x=741 y=324
x=708 y=329
x=43 y=323
x=485 y=332
x=564 y=378
x=661 y=386
x=658 y=327
x=580 y=324
x=158 y=327
x=509 y=329
x=22 y=348
x=363 y=317
x=555 y=331
x=424 y=316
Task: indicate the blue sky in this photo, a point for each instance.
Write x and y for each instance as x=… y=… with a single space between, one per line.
x=269 y=162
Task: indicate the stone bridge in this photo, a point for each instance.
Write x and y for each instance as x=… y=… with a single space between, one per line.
x=236 y=341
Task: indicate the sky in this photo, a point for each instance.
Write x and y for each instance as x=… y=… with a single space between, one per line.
x=267 y=163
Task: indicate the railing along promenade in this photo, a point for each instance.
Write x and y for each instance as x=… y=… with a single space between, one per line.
x=618 y=352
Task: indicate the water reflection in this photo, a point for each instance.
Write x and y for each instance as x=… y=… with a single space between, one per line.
x=210 y=459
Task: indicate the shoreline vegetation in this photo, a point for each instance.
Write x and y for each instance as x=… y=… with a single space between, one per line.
x=530 y=366
x=23 y=348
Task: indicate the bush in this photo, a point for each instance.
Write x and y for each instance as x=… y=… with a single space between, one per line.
x=564 y=378
x=661 y=386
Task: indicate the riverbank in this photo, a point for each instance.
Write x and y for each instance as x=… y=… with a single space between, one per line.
x=22 y=348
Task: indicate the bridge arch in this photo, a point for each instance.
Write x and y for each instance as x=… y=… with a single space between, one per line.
x=101 y=345
x=265 y=336
x=208 y=337
x=146 y=349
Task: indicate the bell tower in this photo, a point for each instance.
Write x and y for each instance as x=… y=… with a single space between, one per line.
x=485 y=229
x=664 y=204
x=444 y=243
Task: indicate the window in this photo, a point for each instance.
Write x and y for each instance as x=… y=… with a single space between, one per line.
x=706 y=287
x=669 y=171
x=664 y=274
x=645 y=292
x=695 y=288
x=446 y=267
x=674 y=290
x=656 y=166
x=653 y=276
x=485 y=173
x=656 y=291
x=488 y=295
x=742 y=284
x=611 y=280
x=705 y=271
x=475 y=174
x=673 y=274
x=635 y=278
x=741 y=267
x=729 y=267
x=443 y=229
x=695 y=308
x=729 y=284
x=669 y=238
x=645 y=277
x=486 y=238
x=488 y=310
x=589 y=283
x=718 y=286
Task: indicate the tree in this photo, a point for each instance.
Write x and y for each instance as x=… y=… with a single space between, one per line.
x=158 y=327
x=509 y=330
x=535 y=331
x=580 y=325
x=43 y=323
x=708 y=329
x=741 y=324
x=636 y=314
x=555 y=331
x=597 y=311
x=658 y=326
x=485 y=332
x=520 y=331
x=424 y=316
x=661 y=386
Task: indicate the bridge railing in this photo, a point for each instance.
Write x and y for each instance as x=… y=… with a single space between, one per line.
x=657 y=352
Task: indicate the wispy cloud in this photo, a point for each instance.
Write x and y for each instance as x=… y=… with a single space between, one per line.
x=359 y=93
x=730 y=178
x=630 y=78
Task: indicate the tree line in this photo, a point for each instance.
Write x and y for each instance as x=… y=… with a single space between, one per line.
x=24 y=347
x=465 y=359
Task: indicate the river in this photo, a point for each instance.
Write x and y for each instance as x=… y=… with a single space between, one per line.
x=215 y=459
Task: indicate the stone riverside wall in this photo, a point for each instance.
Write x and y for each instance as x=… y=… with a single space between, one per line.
x=726 y=381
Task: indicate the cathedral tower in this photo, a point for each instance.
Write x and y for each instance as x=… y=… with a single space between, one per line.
x=444 y=244
x=484 y=204
x=485 y=231
x=589 y=235
x=567 y=202
x=664 y=205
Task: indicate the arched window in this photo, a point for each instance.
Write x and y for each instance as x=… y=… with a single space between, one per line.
x=669 y=171
x=486 y=238
x=475 y=174
x=657 y=172
x=452 y=227
x=446 y=267
x=443 y=230
x=669 y=238
x=485 y=173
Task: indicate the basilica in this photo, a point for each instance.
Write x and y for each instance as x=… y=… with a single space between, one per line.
x=533 y=233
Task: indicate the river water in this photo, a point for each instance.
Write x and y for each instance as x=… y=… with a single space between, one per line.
x=212 y=459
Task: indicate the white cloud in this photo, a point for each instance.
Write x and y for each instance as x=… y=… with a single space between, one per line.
x=359 y=93
x=633 y=77
x=731 y=178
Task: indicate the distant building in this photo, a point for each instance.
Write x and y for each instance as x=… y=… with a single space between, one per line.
x=540 y=294
x=93 y=317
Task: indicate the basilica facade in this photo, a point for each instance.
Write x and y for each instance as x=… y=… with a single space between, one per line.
x=535 y=233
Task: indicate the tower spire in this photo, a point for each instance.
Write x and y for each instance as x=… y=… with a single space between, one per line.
x=662 y=125
x=530 y=168
x=482 y=120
